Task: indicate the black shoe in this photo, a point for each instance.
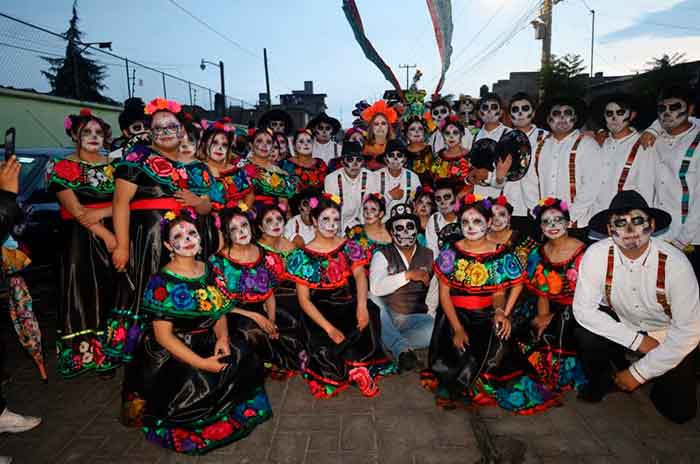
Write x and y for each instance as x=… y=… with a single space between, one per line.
x=407 y=361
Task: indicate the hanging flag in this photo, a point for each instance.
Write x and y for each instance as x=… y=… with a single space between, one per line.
x=353 y=16
x=441 y=15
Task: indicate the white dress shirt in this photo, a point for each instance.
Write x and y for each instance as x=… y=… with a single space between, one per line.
x=401 y=181
x=634 y=300
x=296 y=226
x=326 y=151
x=613 y=156
x=351 y=214
x=529 y=185
x=494 y=134
x=554 y=174
x=670 y=153
x=437 y=141
x=431 y=233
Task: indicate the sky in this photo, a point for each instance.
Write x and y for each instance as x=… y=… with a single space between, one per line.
x=311 y=40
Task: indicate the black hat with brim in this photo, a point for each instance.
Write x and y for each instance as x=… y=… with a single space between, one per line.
x=401 y=211
x=323 y=117
x=483 y=154
x=351 y=148
x=277 y=115
x=134 y=111
x=516 y=144
x=392 y=146
x=624 y=202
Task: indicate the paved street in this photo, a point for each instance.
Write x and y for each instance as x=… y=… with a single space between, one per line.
x=401 y=425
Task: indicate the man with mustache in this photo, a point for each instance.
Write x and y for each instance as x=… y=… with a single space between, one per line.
x=648 y=309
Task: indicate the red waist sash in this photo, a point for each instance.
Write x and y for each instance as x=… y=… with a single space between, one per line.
x=168 y=204
x=67 y=216
x=472 y=302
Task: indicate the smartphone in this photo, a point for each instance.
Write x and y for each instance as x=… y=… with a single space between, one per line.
x=9 y=143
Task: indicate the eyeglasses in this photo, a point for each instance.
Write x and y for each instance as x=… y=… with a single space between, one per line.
x=623 y=223
x=555 y=221
x=492 y=107
x=669 y=108
x=517 y=109
x=610 y=114
x=162 y=130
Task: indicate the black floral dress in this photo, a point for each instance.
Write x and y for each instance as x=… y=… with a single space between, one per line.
x=490 y=371
x=86 y=275
x=311 y=176
x=270 y=184
x=330 y=368
x=188 y=410
x=421 y=162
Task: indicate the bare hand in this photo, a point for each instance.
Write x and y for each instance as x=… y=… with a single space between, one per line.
x=110 y=242
x=120 y=257
x=540 y=323
x=503 y=166
x=90 y=216
x=460 y=339
x=418 y=275
x=9 y=175
x=362 y=318
x=336 y=335
x=648 y=139
x=212 y=364
x=396 y=193
x=648 y=344
x=502 y=325
x=222 y=347
x=267 y=326
x=625 y=381
x=187 y=198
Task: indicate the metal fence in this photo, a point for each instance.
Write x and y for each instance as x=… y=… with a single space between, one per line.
x=22 y=46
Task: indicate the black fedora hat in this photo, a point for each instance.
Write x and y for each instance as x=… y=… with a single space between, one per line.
x=323 y=117
x=401 y=211
x=483 y=154
x=516 y=144
x=626 y=201
x=277 y=115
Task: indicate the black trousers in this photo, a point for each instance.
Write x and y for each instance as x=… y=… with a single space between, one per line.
x=673 y=394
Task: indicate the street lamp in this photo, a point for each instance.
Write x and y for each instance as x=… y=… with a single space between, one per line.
x=203 y=66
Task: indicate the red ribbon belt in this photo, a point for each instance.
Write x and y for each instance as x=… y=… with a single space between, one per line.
x=472 y=302
x=67 y=216
x=168 y=204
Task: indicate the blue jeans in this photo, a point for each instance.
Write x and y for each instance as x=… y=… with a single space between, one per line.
x=401 y=332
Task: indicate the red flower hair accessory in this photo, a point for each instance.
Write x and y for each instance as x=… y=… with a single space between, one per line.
x=501 y=200
x=85 y=112
x=380 y=107
x=161 y=104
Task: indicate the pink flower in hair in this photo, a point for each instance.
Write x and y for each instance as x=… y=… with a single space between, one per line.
x=67 y=123
x=564 y=206
x=313 y=202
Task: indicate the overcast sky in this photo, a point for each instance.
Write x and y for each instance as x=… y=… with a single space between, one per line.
x=311 y=40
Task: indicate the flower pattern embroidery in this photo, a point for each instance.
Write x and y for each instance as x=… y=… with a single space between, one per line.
x=77 y=175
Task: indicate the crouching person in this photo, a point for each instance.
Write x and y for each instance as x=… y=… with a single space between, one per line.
x=652 y=308
x=400 y=275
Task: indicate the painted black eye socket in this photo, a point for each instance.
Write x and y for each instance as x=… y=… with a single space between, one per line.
x=635 y=221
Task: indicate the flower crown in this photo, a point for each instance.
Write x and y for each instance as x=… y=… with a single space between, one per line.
x=187 y=214
x=502 y=201
x=334 y=198
x=548 y=203
x=380 y=107
x=160 y=104
x=374 y=196
x=68 y=120
x=255 y=131
x=474 y=199
x=451 y=119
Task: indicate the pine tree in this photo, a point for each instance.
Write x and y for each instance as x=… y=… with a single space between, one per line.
x=561 y=77
x=76 y=75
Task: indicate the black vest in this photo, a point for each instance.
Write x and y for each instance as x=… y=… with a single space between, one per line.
x=410 y=298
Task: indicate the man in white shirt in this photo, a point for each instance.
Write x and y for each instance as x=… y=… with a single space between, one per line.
x=445 y=199
x=324 y=128
x=491 y=112
x=133 y=122
x=400 y=276
x=397 y=184
x=351 y=183
x=567 y=164
x=626 y=164
x=439 y=112
x=649 y=309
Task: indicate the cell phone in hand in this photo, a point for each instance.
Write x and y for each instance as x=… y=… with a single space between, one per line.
x=9 y=143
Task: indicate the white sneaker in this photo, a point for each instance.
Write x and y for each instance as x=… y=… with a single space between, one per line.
x=14 y=423
x=5 y=460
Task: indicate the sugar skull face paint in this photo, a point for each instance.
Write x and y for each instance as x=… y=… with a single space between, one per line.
x=452 y=135
x=282 y=145
x=395 y=160
x=303 y=144
x=630 y=231
x=380 y=126
x=522 y=113
x=617 y=118
x=278 y=126
x=501 y=218
x=323 y=132
x=305 y=209
x=262 y=144
x=218 y=148
x=672 y=113
x=404 y=232
x=416 y=132
x=239 y=230
x=92 y=137
x=474 y=224
x=166 y=130
x=184 y=239
x=353 y=164
x=371 y=212
x=445 y=200
x=275 y=152
x=424 y=206
x=187 y=148
x=439 y=113
x=490 y=111
x=553 y=224
x=562 y=119
x=328 y=222
x=273 y=224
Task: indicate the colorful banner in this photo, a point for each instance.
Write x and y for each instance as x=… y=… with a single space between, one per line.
x=441 y=15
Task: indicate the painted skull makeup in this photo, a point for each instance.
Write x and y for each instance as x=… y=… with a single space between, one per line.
x=328 y=222
x=501 y=218
x=672 y=113
x=452 y=135
x=371 y=212
x=353 y=164
x=522 y=113
x=184 y=239
x=416 y=133
x=440 y=113
x=303 y=144
x=490 y=111
x=404 y=233
x=273 y=224
x=323 y=132
x=239 y=230
x=380 y=126
x=305 y=209
x=630 y=231
x=424 y=206
x=187 y=148
x=553 y=224
x=218 y=148
x=562 y=119
x=92 y=137
x=395 y=160
x=262 y=145
x=278 y=126
x=474 y=224
x=445 y=200
x=617 y=118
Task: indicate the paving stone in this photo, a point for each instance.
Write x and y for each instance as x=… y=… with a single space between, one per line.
x=358 y=432
x=446 y=456
x=324 y=441
x=521 y=425
x=453 y=429
x=308 y=423
x=289 y=448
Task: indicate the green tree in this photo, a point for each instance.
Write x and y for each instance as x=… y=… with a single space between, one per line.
x=563 y=76
x=76 y=75
x=662 y=71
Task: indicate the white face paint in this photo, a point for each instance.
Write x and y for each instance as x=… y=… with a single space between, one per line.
x=323 y=132
x=282 y=146
x=522 y=113
x=304 y=144
x=672 y=113
x=273 y=224
x=440 y=113
x=416 y=132
x=453 y=136
x=328 y=222
x=490 y=111
x=278 y=126
x=371 y=212
x=424 y=206
x=501 y=218
x=630 y=231
x=617 y=118
x=353 y=164
x=474 y=224
x=239 y=230
x=404 y=233
x=553 y=224
x=166 y=130
x=445 y=200
x=395 y=160
x=262 y=145
x=187 y=148
x=184 y=239
x=562 y=119
x=380 y=126
x=275 y=152
x=218 y=148
x=92 y=138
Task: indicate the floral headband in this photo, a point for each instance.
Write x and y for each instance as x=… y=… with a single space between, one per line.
x=380 y=107
x=501 y=201
x=334 y=198
x=451 y=119
x=161 y=104
x=186 y=214
x=550 y=202
x=474 y=199
x=68 y=120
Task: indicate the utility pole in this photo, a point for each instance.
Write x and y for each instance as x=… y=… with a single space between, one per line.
x=408 y=67
x=546 y=29
x=267 y=79
x=592 y=38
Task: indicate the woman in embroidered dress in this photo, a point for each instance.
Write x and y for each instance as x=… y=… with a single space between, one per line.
x=421 y=155
x=501 y=232
x=149 y=182
x=453 y=160
x=310 y=172
x=205 y=391
x=84 y=183
x=341 y=325
x=472 y=359
x=380 y=118
x=247 y=273
x=372 y=234
x=552 y=271
x=270 y=183
x=424 y=206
